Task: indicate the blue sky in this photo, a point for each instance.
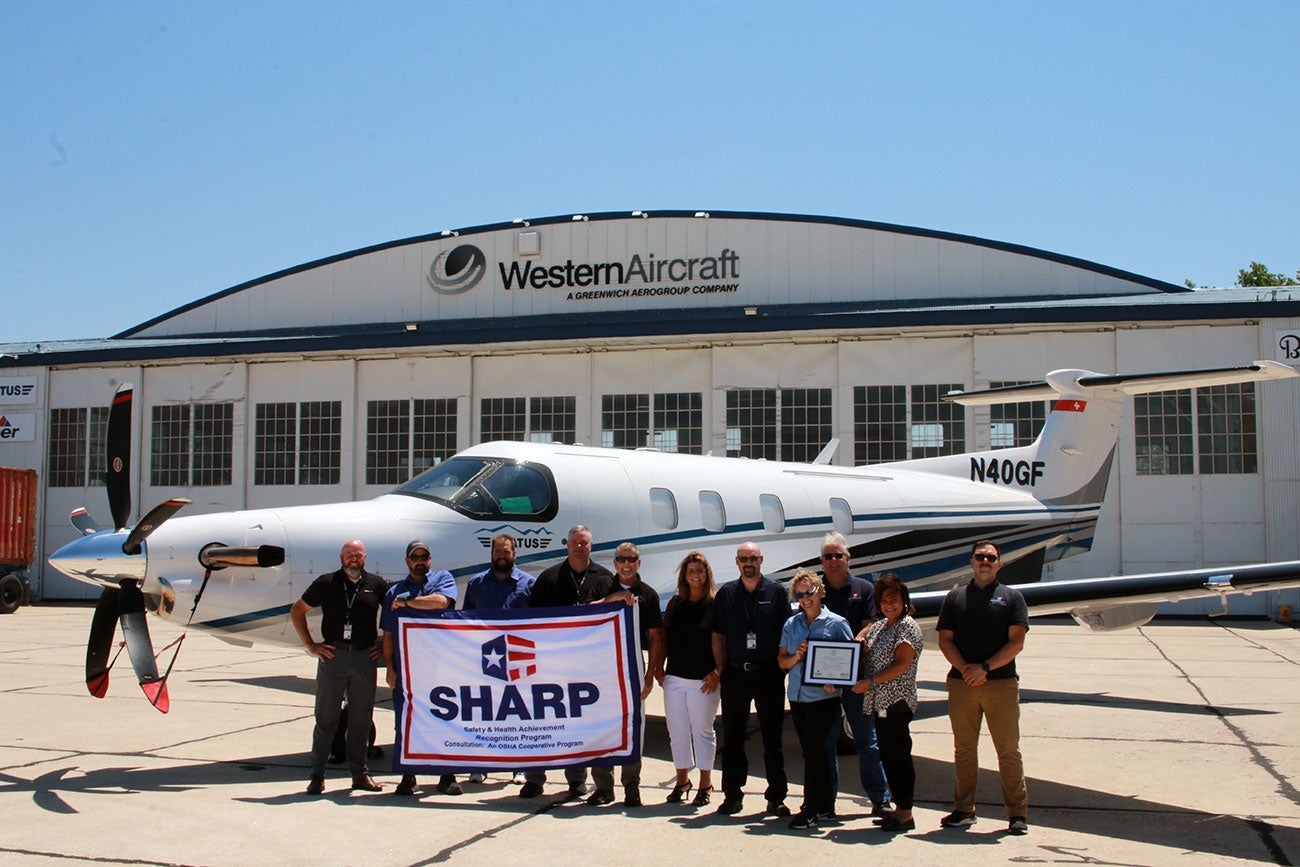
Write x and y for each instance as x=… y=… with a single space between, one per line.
x=155 y=153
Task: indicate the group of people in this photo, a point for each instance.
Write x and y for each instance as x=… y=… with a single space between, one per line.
x=735 y=647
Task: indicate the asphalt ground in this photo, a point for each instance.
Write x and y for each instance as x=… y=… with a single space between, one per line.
x=1176 y=740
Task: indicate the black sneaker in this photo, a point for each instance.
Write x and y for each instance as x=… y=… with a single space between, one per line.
x=729 y=806
x=449 y=786
x=600 y=798
x=530 y=790
x=632 y=797
x=316 y=785
x=957 y=819
x=1018 y=826
x=406 y=786
x=802 y=821
x=881 y=809
x=778 y=809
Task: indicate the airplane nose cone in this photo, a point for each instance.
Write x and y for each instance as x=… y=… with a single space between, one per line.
x=99 y=560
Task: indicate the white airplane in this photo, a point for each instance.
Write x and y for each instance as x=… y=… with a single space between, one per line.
x=238 y=573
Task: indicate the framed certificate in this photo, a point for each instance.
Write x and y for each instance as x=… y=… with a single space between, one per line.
x=832 y=662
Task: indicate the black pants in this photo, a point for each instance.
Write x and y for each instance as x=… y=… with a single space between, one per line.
x=765 y=689
x=894 y=735
x=812 y=721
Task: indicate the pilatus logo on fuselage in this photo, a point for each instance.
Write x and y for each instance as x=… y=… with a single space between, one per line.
x=457 y=270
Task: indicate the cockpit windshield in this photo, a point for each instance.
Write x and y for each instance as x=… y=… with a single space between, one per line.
x=488 y=488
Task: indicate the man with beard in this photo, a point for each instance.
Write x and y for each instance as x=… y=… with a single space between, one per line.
x=559 y=586
x=347 y=654
x=748 y=617
x=419 y=589
x=499 y=586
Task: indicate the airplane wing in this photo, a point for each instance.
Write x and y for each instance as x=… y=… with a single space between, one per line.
x=1119 y=602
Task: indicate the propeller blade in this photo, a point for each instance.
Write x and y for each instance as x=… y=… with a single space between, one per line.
x=261 y=556
x=152 y=521
x=117 y=478
x=135 y=629
x=85 y=524
x=102 y=628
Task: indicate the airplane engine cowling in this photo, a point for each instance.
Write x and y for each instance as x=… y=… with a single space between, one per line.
x=1115 y=617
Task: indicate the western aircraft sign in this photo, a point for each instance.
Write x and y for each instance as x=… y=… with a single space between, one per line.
x=511 y=689
x=17 y=427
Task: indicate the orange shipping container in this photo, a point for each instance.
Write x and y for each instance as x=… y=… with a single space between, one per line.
x=17 y=516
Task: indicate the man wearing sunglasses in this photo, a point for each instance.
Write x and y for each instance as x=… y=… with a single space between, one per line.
x=419 y=589
x=628 y=587
x=850 y=597
x=748 y=617
x=982 y=626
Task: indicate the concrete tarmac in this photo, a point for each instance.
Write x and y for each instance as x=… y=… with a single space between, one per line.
x=1177 y=740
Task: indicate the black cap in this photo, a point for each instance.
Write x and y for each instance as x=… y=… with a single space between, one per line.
x=417 y=545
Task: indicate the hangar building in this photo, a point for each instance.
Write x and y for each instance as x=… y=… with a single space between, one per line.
x=758 y=335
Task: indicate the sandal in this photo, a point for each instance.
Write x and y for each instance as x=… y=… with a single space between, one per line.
x=702 y=797
x=679 y=792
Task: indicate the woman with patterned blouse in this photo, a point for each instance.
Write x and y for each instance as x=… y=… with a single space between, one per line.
x=893 y=648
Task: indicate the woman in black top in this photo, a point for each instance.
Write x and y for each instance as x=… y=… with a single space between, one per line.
x=691 y=679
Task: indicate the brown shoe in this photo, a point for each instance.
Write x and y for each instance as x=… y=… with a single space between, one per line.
x=366 y=783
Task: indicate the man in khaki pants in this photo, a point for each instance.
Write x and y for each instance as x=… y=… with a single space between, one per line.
x=982 y=627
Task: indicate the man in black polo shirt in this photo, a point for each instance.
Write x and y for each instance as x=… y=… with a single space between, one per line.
x=850 y=597
x=558 y=587
x=748 y=615
x=982 y=626
x=349 y=600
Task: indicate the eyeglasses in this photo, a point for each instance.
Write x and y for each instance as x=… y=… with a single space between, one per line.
x=804 y=594
x=748 y=558
x=985 y=558
x=626 y=559
x=417 y=558
x=836 y=556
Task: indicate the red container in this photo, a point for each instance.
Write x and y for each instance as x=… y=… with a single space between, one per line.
x=17 y=516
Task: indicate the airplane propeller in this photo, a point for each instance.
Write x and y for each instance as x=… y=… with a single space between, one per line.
x=124 y=603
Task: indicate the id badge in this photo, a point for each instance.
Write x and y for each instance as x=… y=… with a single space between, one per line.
x=347 y=631
x=751 y=641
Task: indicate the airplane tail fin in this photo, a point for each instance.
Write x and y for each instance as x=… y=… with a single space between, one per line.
x=1069 y=463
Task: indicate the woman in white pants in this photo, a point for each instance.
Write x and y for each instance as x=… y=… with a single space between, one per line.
x=691 y=679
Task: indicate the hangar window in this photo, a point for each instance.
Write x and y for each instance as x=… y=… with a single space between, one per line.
x=626 y=421
x=663 y=508
x=712 y=513
x=1223 y=418
x=275 y=443
x=889 y=427
x=76 y=448
x=488 y=488
x=406 y=437
x=1015 y=424
x=320 y=442
x=531 y=419
x=66 y=462
x=191 y=444
x=789 y=424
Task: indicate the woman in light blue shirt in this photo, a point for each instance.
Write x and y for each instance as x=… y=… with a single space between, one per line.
x=814 y=708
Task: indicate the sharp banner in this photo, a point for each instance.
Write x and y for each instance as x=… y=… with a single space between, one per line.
x=518 y=688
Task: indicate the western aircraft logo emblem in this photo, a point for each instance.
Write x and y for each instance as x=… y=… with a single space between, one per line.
x=457 y=270
x=509 y=657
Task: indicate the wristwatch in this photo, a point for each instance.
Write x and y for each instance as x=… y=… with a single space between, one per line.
x=985 y=666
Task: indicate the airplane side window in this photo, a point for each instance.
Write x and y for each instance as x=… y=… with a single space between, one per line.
x=842 y=516
x=488 y=488
x=663 y=508
x=773 y=513
x=445 y=481
x=713 y=515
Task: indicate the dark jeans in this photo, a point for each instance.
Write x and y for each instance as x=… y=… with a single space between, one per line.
x=812 y=719
x=870 y=770
x=895 y=734
x=765 y=689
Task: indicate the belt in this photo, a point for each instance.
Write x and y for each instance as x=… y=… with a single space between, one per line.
x=750 y=666
x=344 y=645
